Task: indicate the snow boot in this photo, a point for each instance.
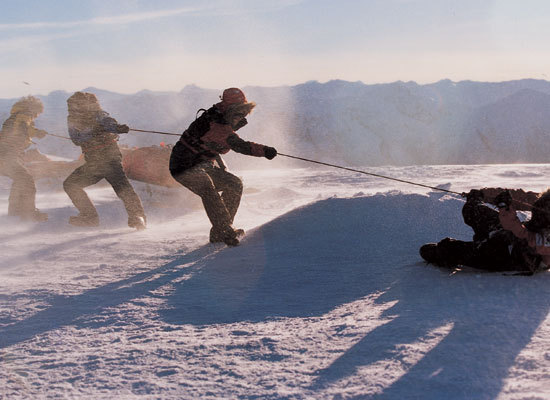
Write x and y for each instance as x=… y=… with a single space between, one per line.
x=139 y=223
x=448 y=253
x=429 y=253
x=228 y=236
x=84 y=220
x=34 y=216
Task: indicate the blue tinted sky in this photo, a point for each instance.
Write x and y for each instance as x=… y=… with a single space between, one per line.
x=129 y=45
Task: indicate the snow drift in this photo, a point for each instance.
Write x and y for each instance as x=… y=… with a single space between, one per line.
x=329 y=300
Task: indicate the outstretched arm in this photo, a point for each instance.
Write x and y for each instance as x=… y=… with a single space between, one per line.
x=510 y=221
x=109 y=124
x=37 y=133
x=26 y=124
x=250 y=148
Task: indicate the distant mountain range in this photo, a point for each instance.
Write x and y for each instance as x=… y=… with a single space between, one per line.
x=400 y=123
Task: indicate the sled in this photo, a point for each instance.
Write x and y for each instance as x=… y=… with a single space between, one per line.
x=149 y=165
x=41 y=166
x=144 y=164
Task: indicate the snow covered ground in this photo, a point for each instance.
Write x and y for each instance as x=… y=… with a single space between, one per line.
x=326 y=298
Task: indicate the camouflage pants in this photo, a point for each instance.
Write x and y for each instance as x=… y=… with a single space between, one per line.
x=92 y=172
x=23 y=190
x=206 y=181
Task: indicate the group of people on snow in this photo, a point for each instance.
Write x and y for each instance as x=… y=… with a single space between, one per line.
x=500 y=242
x=195 y=161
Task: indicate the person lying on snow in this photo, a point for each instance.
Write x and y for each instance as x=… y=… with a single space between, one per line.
x=15 y=137
x=501 y=242
x=195 y=161
x=96 y=133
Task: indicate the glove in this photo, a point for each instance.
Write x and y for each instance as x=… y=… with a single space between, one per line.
x=473 y=195
x=270 y=152
x=123 y=128
x=240 y=124
x=39 y=133
x=503 y=200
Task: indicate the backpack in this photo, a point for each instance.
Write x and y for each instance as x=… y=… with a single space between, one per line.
x=190 y=149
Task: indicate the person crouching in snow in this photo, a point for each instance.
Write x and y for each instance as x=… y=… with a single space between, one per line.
x=15 y=137
x=195 y=161
x=96 y=133
x=501 y=242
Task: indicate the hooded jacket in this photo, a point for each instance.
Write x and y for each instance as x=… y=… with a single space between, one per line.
x=96 y=133
x=16 y=134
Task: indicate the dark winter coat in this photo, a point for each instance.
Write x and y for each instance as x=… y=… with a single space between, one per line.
x=206 y=138
x=97 y=134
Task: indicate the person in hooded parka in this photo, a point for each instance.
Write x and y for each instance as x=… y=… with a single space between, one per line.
x=15 y=137
x=97 y=134
x=195 y=161
x=501 y=242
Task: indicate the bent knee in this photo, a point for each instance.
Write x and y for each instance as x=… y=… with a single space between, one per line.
x=69 y=185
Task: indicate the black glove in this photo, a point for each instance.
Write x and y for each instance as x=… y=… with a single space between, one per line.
x=122 y=128
x=503 y=199
x=240 y=124
x=269 y=152
x=474 y=195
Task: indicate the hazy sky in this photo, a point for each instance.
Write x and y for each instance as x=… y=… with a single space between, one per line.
x=129 y=45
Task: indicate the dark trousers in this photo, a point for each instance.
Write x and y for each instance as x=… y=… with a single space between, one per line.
x=92 y=172
x=207 y=181
x=23 y=190
x=493 y=248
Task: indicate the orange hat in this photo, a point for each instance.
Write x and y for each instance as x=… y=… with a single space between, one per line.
x=233 y=96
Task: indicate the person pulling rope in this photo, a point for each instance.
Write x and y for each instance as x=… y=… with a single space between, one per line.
x=525 y=205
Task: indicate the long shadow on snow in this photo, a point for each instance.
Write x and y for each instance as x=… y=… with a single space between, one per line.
x=73 y=310
x=324 y=255
x=492 y=318
x=312 y=260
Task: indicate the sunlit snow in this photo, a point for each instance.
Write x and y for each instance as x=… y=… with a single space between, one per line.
x=326 y=297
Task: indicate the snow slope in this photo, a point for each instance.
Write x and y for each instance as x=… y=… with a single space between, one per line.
x=325 y=298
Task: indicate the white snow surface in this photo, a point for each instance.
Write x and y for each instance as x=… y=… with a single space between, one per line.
x=325 y=298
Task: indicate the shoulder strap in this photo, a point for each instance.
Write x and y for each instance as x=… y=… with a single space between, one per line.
x=198 y=111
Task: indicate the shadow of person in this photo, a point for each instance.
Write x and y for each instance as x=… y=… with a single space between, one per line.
x=486 y=320
x=468 y=327
x=310 y=261
x=73 y=310
x=314 y=259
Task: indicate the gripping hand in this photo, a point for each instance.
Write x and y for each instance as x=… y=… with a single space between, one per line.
x=269 y=152
x=123 y=128
x=503 y=200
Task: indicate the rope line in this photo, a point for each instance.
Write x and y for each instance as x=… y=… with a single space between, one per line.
x=328 y=165
x=132 y=129
x=58 y=136
x=370 y=173
x=531 y=206
x=158 y=132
